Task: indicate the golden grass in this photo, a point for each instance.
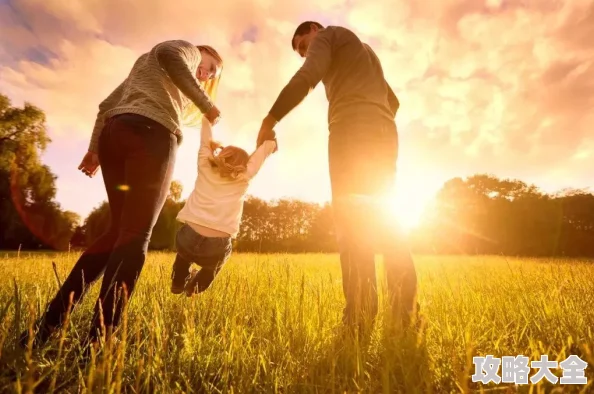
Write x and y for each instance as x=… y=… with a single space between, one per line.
x=270 y=323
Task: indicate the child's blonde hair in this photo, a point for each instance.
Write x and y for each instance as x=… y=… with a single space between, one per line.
x=230 y=161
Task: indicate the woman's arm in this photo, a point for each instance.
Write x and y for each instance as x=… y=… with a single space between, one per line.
x=175 y=58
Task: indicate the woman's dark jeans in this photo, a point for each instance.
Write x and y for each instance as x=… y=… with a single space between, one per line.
x=137 y=157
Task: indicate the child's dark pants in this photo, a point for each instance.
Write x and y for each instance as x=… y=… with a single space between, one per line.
x=210 y=253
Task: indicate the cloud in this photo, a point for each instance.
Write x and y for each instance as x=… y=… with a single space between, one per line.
x=502 y=86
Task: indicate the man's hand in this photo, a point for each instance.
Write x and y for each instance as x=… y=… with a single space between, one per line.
x=89 y=164
x=269 y=136
x=213 y=115
x=266 y=131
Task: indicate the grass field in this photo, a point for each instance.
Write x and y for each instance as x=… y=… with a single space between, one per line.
x=270 y=324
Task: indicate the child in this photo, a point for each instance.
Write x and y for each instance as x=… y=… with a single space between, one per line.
x=213 y=211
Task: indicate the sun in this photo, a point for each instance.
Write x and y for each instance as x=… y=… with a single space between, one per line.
x=407 y=206
x=408 y=215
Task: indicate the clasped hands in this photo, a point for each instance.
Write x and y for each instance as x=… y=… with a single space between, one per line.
x=267 y=132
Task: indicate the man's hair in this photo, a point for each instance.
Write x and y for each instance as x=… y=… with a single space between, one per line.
x=302 y=29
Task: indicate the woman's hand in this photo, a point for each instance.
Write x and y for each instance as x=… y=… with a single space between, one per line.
x=89 y=164
x=213 y=115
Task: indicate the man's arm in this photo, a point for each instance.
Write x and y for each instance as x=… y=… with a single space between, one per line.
x=175 y=58
x=315 y=67
x=312 y=71
x=110 y=102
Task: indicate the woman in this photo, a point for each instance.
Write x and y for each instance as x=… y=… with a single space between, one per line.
x=135 y=140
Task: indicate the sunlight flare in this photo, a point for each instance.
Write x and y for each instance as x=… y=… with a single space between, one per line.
x=407 y=206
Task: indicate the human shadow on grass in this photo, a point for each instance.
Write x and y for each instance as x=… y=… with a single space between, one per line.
x=381 y=357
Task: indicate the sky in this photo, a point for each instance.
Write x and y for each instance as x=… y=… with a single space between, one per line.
x=496 y=86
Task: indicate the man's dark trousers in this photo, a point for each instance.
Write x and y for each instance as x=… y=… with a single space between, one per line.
x=362 y=160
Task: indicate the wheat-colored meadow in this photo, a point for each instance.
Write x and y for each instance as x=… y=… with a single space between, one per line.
x=271 y=323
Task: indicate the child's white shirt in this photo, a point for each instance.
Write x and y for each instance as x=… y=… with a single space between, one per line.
x=217 y=202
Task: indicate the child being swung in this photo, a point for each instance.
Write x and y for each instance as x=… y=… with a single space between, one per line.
x=213 y=211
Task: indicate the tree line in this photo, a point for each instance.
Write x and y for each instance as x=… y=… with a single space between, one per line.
x=268 y=226
x=487 y=215
x=481 y=214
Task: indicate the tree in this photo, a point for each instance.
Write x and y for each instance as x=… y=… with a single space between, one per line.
x=487 y=215
x=29 y=215
x=321 y=236
x=255 y=222
x=163 y=236
x=78 y=239
x=175 y=191
x=97 y=222
x=286 y=225
x=576 y=217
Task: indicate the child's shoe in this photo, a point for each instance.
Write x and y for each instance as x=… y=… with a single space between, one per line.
x=177 y=284
x=190 y=287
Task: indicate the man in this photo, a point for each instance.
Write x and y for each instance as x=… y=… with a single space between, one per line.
x=363 y=148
